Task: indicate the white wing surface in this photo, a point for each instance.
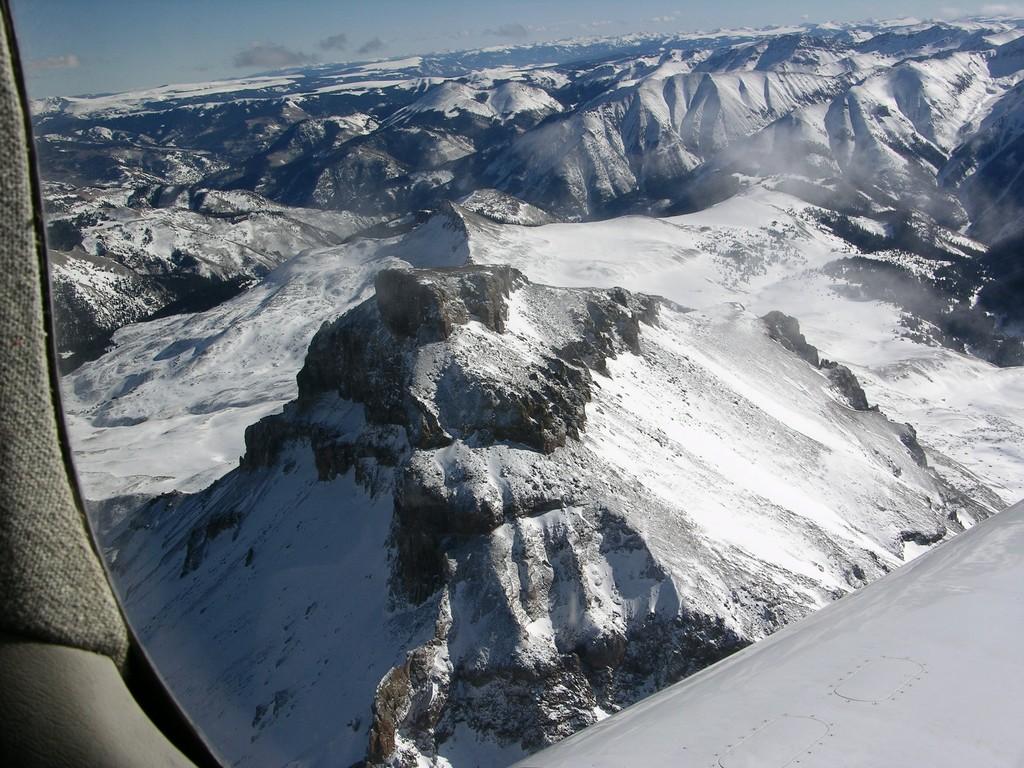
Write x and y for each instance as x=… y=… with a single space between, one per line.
x=925 y=667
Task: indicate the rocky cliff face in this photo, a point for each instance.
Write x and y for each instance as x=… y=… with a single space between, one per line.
x=498 y=511
x=466 y=507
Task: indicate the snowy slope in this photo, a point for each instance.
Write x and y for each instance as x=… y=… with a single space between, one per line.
x=449 y=538
x=118 y=261
x=767 y=251
x=965 y=408
x=986 y=168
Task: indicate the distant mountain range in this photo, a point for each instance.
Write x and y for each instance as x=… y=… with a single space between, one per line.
x=915 y=128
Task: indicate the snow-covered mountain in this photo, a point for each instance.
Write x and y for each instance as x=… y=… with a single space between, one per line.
x=876 y=121
x=482 y=394
x=646 y=134
x=484 y=415
x=508 y=101
x=499 y=510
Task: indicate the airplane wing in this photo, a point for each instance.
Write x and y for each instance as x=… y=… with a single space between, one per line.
x=924 y=667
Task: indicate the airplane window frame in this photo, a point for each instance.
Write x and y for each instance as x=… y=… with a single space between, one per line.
x=154 y=696
x=140 y=675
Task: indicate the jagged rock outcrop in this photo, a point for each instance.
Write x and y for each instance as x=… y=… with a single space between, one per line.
x=844 y=380
x=374 y=355
x=786 y=330
x=201 y=536
x=908 y=436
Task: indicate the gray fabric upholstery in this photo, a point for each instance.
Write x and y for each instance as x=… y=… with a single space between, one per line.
x=52 y=585
x=63 y=707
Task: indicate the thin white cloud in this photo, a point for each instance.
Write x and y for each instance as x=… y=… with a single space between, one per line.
x=511 y=31
x=64 y=61
x=1002 y=9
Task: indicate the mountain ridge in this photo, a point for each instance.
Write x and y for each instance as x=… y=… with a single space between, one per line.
x=482 y=419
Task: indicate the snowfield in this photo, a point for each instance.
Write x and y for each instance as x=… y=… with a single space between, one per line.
x=763 y=251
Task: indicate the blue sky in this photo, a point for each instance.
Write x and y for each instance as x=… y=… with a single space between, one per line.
x=80 y=46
